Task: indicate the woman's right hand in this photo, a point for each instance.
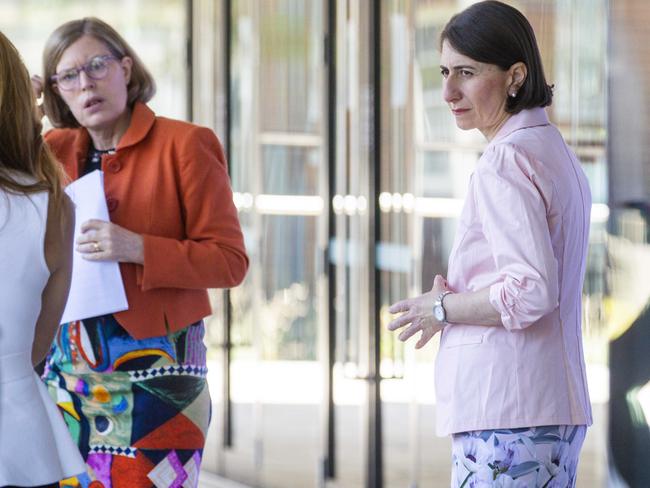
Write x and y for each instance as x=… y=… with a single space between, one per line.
x=37 y=87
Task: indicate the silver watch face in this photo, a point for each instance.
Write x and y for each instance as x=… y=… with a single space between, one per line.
x=439 y=313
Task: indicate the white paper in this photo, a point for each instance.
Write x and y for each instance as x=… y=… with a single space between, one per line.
x=97 y=287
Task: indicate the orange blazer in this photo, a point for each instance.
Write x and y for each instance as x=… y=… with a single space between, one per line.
x=167 y=181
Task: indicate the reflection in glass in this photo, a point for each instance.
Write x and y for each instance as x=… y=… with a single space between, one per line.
x=628 y=297
x=290 y=170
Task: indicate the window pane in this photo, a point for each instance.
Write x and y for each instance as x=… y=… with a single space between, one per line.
x=154 y=28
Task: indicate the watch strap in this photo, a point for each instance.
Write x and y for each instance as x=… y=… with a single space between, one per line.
x=439 y=303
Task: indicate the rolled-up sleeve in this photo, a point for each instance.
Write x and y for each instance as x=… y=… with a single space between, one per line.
x=513 y=216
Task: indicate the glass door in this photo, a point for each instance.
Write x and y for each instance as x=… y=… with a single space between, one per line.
x=425 y=167
x=352 y=253
x=280 y=183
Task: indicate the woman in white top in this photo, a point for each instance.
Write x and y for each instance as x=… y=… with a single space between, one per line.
x=36 y=232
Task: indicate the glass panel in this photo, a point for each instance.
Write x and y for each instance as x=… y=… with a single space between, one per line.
x=423 y=180
x=628 y=249
x=155 y=29
x=290 y=376
x=244 y=458
x=208 y=110
x=291 y=170
x=628 y=298
x=209 y=75
x=352 y=241
x=279 y=179
x=395 y=251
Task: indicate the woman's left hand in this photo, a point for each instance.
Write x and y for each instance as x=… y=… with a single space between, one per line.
x=418 y=312
x=105 y=241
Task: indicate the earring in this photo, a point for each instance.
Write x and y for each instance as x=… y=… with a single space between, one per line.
x=513 y=94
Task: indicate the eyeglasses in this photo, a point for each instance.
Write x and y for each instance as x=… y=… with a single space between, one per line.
x=96 y=69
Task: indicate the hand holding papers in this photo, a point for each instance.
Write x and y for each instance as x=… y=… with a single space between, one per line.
x=97 y=287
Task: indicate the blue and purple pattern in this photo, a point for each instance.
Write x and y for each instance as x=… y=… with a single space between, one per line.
x=539 y=457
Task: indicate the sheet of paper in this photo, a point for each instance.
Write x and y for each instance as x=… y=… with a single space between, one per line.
x=97 y=287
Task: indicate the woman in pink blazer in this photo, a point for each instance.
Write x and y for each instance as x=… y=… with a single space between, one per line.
x=510 y=374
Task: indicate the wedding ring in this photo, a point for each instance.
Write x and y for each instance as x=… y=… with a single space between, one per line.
x=96 y=247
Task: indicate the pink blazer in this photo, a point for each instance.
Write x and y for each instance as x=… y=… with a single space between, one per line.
x=523 y=234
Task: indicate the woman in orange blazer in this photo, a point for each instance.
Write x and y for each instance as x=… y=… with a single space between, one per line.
x=132 y=384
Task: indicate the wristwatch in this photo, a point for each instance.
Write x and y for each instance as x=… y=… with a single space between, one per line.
x=439 y=310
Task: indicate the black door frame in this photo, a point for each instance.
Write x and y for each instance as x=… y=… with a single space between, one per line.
x=328 y=427
x=375 y=452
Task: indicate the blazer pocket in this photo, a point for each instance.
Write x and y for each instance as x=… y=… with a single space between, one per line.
x=456 y=338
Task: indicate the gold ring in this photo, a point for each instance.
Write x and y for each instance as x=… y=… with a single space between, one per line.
x=96 y=246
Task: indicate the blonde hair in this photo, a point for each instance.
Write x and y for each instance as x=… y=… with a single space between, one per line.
x=21 y=144
x=141 y=86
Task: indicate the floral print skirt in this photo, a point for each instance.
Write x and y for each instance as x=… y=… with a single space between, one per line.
x=538 y=457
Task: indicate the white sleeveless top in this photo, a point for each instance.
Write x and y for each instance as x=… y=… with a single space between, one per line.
x=35 y=445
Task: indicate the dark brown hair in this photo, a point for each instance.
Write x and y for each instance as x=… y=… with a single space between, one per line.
x=21 y=145
x=495 y=33
x=141 y=86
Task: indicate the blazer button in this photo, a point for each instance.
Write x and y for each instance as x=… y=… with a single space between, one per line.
x=111 y=203
x=114 y=166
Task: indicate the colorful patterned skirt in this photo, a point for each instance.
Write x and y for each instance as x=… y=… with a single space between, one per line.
x=138 y=409
x=539 y=457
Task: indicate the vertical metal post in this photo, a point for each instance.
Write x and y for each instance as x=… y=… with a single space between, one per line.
x=374 y=460
x=329 y=466
x=227 y=308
